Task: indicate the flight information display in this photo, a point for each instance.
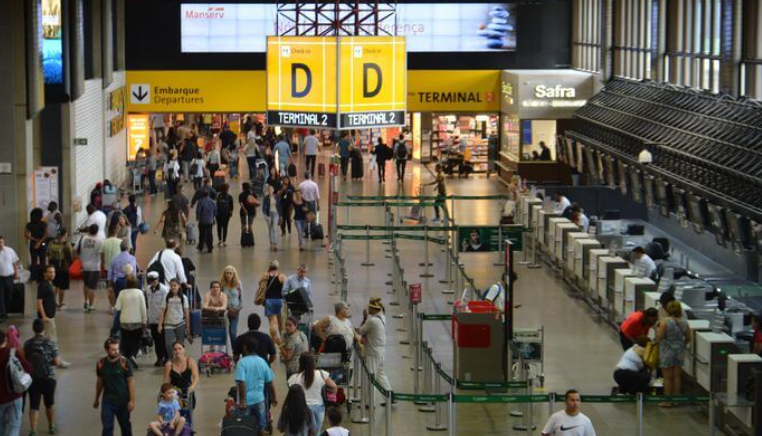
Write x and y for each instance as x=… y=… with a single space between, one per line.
x=427 y=27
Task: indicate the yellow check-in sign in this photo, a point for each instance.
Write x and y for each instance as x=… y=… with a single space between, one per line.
x=346 y=82
x=372 y=81
x=301 y=81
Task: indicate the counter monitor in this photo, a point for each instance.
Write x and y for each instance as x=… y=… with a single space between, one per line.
x=648 y=189
x=590 y=162
x=635 y=185
x=719 y=223
x=740 y=230
x=696 y=212
x=663 y=198
x=623 y=178
x=610 y=173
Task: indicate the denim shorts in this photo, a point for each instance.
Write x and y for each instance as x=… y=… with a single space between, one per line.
x=273 y=306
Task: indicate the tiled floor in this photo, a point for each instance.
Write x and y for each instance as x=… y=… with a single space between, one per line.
x=580 y=352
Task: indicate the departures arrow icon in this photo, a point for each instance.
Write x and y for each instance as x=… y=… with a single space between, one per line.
x=141 y=94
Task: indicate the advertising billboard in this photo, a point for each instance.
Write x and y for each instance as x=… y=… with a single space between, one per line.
x=427 y=27
x=52 y=44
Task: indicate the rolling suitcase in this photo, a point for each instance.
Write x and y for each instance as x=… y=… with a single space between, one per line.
x=16 y=303
x=321 y=169
x=218 y=180
x=247 y=239
x=317 y=232
x=239 y=426
x=195 y=314
x=191 y=233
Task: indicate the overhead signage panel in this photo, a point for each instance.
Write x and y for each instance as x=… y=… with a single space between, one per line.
x=373 y=77
x=301 y=81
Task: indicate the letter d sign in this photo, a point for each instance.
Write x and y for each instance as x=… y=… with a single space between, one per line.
x=366 y=67
x=308 y=76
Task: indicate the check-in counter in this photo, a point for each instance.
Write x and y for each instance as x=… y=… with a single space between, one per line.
x=543 y=221
x=696 y=326
x=592 y=270
x=606 y=267
x=620 y=275
x=527 y=209
x=740 y=368
x=712 y=350
x=552 y=232
x=565 y=237
x=635 y=289
x=581 y=249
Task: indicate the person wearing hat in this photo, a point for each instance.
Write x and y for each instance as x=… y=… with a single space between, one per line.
x=271 y=288
x=337 y=324
x=155 y=296
x=373 y=332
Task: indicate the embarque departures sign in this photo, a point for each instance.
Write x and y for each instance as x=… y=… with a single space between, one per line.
x=336 y=82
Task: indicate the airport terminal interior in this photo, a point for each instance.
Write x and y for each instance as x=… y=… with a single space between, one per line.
x=467 y=218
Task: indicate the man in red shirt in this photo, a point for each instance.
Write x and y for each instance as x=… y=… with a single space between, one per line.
x=10 y=402
x=636 y=325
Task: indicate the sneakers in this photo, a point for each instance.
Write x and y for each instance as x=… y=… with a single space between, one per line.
x=64 y=364
x=89 y=308
x=53 y=429
x=134 y=362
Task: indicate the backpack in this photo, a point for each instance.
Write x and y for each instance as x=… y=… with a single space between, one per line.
x=36 y=358
x=194 y=169
x=158 y=268
x=122 y=363
x=401 y=150
x=223 y=205
x=17 y=380
x=131 y=212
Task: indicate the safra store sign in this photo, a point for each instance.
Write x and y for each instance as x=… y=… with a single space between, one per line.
x=544 y=94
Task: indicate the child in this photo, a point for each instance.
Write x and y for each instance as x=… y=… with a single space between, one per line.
x=334 y=424
x=168 y=413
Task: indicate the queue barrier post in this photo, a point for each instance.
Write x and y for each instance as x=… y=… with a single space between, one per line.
x=389 y=400
x=446 y=279
x=534 y=264
x=524 y=249
x=438 y=424
x=530 y=407
x=426 y=264
x=428 y=372
x=712 y=414
x=363 y=419
x=355 y=364
x=500 y=258
x=371 y=400
x=367 y=248
x=451 y=418
x=639 y=405
x=551 y=403
x=414 y=341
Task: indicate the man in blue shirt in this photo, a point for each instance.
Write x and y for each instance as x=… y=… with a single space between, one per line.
x=298 y=280
x=343 y=150
x=206 y=211
x=284 y=152
x=253 y=375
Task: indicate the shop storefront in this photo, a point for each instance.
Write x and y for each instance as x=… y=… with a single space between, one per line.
x=536 y=107
x=454 y=112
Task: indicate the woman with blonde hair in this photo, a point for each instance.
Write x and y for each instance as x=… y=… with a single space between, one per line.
x=231 y=287
x=673 y=336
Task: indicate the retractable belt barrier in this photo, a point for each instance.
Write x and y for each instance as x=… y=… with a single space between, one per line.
x=425 y=197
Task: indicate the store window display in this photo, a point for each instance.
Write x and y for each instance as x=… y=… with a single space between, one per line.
x=466 y=136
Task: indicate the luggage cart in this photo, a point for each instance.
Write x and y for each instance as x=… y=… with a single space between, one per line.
x=214 y=333
x=337 y=365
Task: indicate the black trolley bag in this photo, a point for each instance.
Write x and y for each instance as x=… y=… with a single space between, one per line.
x=240 y=426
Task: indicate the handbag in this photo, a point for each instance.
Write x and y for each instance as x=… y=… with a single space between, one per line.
x=259 y=300
x=75 y=270
x=651 y=355
x=329 y=397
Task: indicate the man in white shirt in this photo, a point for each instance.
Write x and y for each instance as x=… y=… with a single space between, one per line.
x=643 y=263
x=156 y=295
x=311 y=146
x=560 y=203
x=9 y=271
x=89 y=251
x=579 y=218
x=569 y=422
x=310 y=192
x=172 y=263
x=95 y=216
x=373 y=331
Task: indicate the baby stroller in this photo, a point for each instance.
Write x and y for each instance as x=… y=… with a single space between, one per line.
x=187 y=402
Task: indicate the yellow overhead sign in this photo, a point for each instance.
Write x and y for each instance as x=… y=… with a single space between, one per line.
x=301 y=80
x=453 y=91
x=341 y=82
x=373 y=76
x=195 y=91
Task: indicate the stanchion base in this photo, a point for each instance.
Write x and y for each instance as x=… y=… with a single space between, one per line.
x=426 y=276
x=420 y=368
x=399 y=315
x=386 y=242
x=443 y=281
x=534 y=266
x=523 y=427
x=525 y=263
x=499 y=264
x=403 y=342
x=448 y=291
x=387 y=256
x=440 y=427
x=389 y=283
x=394 y=303
x=424 y=264
x=361 y=421
x=516 y=413
x=355 y=400
x=368 y=264
x=427 y=408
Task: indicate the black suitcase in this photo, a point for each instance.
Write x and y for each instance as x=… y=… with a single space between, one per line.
x=298 y=302
x=16 y=303
x=240 y=426
x=292 y=170
x=317 y=232
x=247 y=239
